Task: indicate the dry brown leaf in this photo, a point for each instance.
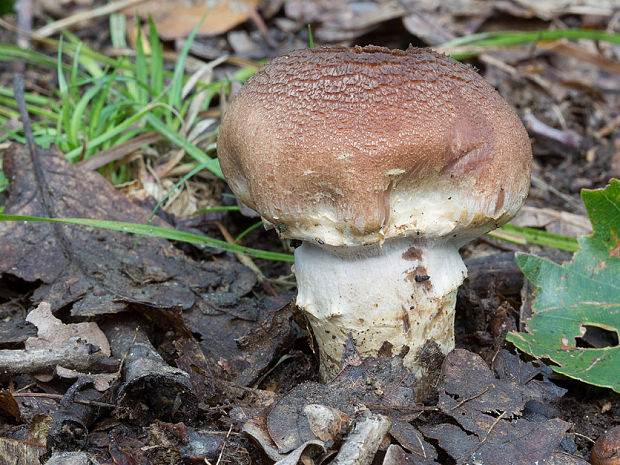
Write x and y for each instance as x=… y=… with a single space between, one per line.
x=549 y=9
x=101 y=381
x=8 y=404
x=13 y=451
x=488 y=408
x=325 y=422
x=176 y=19
x=554 y=221
x=378 y=383
x=52 y=332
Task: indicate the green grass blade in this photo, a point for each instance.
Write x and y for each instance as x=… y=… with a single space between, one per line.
x=11 y=106
x=9 y=52
x=156 y=231
x=62 y=82
x=95 y=125
x=35 y=99
x=174 y=97
x=118 y=25
x=248 y=230
x=112 y=132
x=141 y=68
x=77 y=119
x=74 y=88
x=157 y=60
x=523 y=235
x=241 y=75
x=131 y=86
x=88 y=62
x=211 y=164
x=219 y=208
x=508 y=38
x=64 y=122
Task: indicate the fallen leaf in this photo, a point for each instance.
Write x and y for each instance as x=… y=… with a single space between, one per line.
x=52 y=332
x=395 y=455
x=93 y=270
x=101 y=381
x=177 y=18
x=255 y=331
x=9 y=405
x=579 y=294
x=412 y=440
x=14 y=329
x=377 y=383
x=488 y=412
x=555 y=222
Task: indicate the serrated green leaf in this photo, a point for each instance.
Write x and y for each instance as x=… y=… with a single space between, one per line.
x=584 y=292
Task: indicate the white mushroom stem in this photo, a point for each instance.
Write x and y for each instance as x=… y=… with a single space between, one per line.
x=403 y=292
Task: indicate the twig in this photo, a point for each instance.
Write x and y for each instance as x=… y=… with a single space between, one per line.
x=44 y=192
x=499 y=347
x=542 y=184
x=119 y=151
x=470 y=398
x=413 y=408
x=73 y=355
x=583 y=436
x=72 y=20
x=46 y=395
x=362 y=443
x=223 y=446
x=567 y=138
x=421 y=445
x=608 y=129
x=497 y=420
x=24 y=21
x=262 y=27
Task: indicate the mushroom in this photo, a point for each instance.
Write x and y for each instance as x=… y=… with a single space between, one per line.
x=384 y=163
x=606 y=449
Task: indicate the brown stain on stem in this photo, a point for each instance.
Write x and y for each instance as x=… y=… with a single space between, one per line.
x=412 y=254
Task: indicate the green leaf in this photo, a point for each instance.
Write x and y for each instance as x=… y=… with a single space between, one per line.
x=582 y=293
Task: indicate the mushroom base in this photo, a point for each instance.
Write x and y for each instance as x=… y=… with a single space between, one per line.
x=403 y=292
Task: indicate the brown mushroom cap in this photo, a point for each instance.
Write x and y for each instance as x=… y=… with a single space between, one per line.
x=353 y=146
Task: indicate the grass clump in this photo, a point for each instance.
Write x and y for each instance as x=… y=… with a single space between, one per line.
x=101 y=103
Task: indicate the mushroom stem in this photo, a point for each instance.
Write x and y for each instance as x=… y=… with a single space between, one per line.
x=403 y=292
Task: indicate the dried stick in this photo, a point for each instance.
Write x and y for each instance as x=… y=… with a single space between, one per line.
x=77 y=18
x=362 y=444
x=73 y=355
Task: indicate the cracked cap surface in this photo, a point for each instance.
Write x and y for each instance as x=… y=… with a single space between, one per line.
x=354 y=146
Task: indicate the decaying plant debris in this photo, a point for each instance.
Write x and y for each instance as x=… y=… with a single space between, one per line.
x=210 y=365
